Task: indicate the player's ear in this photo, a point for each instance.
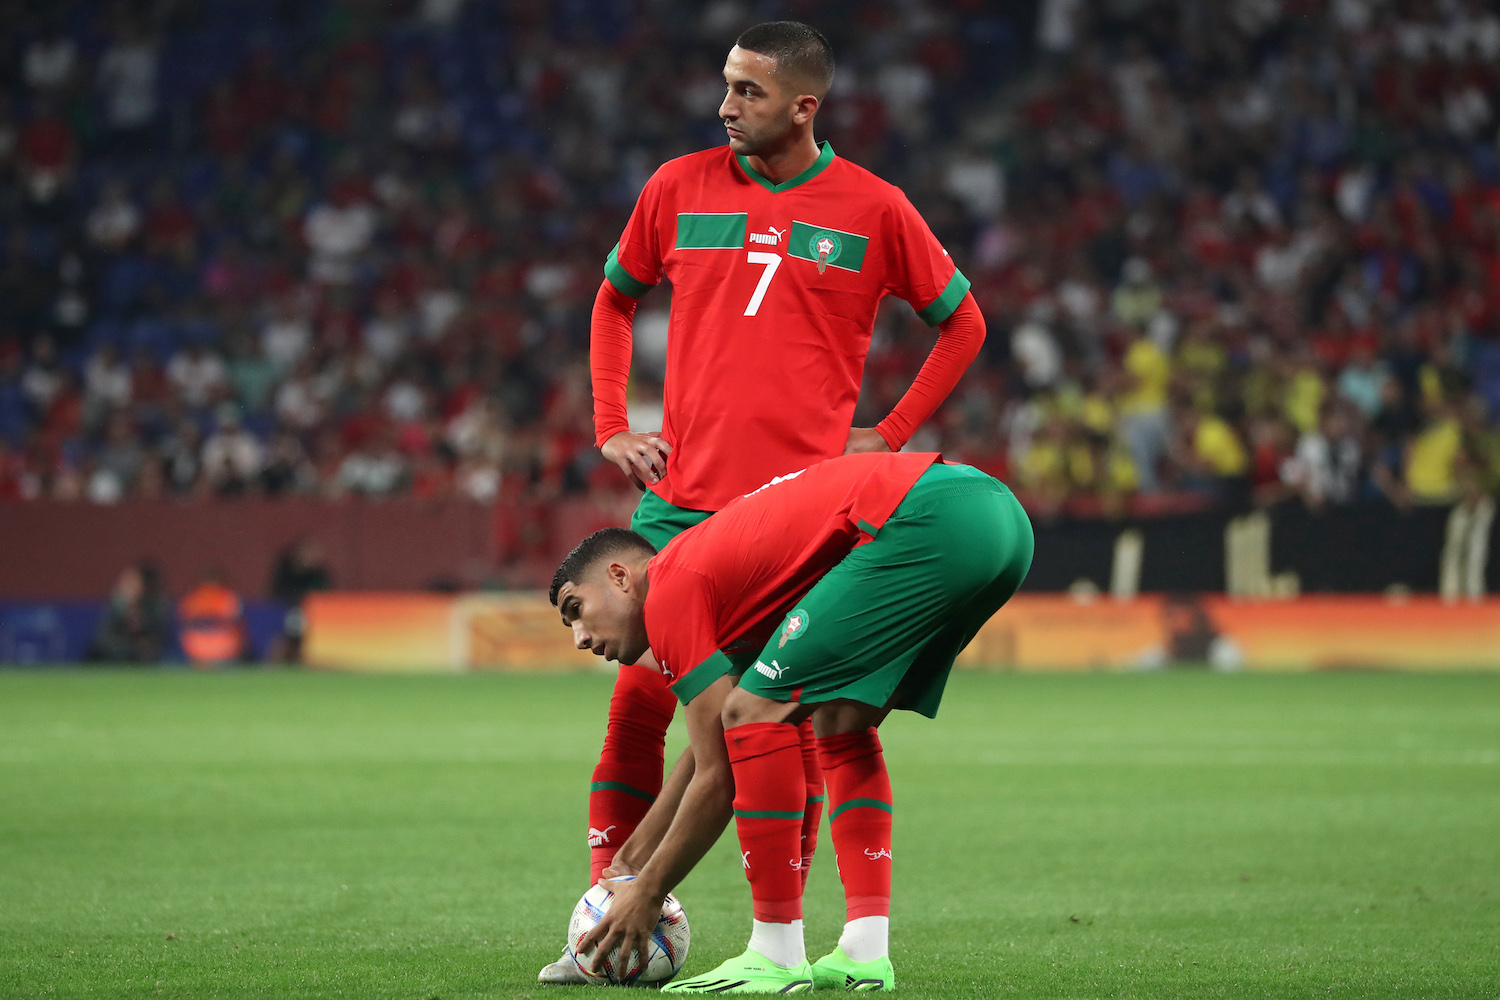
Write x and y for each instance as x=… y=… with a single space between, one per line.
x=620 y=576
x=804 y=108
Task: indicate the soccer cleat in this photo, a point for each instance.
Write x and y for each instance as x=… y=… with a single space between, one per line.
x=563 y=972
x=750 y=973
x=837 y=971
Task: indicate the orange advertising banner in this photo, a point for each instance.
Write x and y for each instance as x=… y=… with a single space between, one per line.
x=518 y=632
x=422 y=633
x=1034 y=632
x=380 y=633
x=1045 y=632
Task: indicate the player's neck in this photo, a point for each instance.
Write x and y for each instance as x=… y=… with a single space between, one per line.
x=782 y=165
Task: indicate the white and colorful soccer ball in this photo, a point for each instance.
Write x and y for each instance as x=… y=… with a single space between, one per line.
x=667 y=952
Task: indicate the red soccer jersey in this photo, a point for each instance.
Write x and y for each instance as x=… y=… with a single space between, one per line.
x=775 y=289
x=726 y=583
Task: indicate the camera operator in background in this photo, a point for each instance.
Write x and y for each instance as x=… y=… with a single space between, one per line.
x=301 y=568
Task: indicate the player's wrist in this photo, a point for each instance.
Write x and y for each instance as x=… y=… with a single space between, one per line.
x=650 y=886
x=604 y=437
x=891 y=439
x=630 y=859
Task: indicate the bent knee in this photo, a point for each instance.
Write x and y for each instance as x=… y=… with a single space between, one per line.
x=842 y=715
x=741 y=708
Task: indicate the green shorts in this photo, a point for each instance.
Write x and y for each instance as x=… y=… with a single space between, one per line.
x=883 y=626
x=660 y=522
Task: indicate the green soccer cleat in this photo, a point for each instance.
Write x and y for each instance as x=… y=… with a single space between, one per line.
x=750 y=973
x=837 y=971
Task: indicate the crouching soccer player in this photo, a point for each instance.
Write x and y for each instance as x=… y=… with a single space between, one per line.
x=837 y=593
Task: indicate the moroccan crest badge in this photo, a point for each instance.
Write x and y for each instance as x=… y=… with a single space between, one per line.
x=825 y=246
x=796 y=624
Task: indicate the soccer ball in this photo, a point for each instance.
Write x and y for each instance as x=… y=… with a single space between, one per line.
x=667 y=952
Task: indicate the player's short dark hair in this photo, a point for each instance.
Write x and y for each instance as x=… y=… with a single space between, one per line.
x=800 y=50
x=602 y=544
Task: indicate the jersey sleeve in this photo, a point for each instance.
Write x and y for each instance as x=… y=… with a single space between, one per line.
x=683 y=629
x=919 y=269
x=609 y=360
x=634 y=265
x=959 y=339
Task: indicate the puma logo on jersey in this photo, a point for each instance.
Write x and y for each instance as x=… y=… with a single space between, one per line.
x=774 y=671
x=772 y=236
x=884 y=852
x=598 y=838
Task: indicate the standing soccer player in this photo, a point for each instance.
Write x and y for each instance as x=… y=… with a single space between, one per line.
x=779 y=254
x=834 y=594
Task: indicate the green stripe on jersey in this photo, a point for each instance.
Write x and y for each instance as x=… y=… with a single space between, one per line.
x=844 y=250
x=942 y=307
x=622 y=279
x=711 y=230
x=844 y=807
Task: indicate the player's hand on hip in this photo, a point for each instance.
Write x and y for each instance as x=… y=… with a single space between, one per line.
x=864 y=439
x=627 y=926
x=642 y=457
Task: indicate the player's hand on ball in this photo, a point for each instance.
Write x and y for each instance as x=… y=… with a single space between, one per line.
x=627 y=926
x=618 y=869
x=864 y=439
x=642 y=457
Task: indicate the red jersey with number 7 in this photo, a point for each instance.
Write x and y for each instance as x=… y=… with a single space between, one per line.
x=775 y=289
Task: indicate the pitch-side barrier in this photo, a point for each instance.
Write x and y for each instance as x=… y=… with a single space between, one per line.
x=1034 y=632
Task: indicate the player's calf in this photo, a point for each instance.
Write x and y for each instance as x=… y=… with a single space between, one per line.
x=860 y=811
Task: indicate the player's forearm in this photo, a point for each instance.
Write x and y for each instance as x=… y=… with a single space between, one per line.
x=609 y=360
x=959 y=338
x=706 y=808
x=638 y=850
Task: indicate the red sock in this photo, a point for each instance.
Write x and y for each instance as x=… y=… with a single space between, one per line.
x=812 y=774
x=628 y=777
x=859 y=813
x=770 y=798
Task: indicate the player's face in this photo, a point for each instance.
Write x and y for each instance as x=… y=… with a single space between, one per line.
x=757 y=112
x=605 y=613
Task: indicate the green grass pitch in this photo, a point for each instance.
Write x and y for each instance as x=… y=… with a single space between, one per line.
x=283 y=834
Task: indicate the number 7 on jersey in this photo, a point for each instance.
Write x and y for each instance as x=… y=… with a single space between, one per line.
x=772 y=261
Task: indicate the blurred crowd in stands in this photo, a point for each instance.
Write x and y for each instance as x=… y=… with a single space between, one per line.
x=1228 y=252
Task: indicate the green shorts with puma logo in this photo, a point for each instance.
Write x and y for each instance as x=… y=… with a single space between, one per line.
x=883 y=626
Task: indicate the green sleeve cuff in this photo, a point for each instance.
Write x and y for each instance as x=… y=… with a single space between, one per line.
x=691 y=684
x=616 y=274
x=939 y=308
